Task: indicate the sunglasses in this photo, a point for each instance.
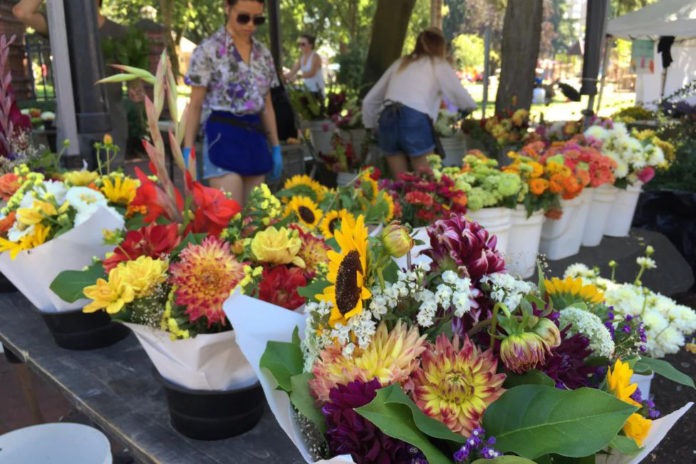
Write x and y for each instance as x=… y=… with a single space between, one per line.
x=244 y=18
x=302 y=44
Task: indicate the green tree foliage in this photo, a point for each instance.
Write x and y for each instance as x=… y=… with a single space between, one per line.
x=453 y=18
x=468 y=51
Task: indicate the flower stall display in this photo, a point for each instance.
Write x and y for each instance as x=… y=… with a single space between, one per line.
x=500 y=132
x=442 y=362
x=636 y=155
x=51 y=225
x=491 y=193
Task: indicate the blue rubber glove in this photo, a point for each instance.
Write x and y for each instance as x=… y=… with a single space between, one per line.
x=277 y=163
x=186 y=152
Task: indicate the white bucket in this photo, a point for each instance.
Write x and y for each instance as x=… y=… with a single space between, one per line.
x=523 y=242
x=562 y=237
x=496 y=221
x=644 y=382
x=455 y=149
x=57 y=443
x=603 y=198
x=322 y=133
x=622 y=211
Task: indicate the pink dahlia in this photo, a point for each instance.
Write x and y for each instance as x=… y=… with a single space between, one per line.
x=465 y=247
x=204 y=278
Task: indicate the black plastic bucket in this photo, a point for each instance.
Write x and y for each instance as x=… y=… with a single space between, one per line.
x=5 y=285
x=213 y=415
x=75 y=330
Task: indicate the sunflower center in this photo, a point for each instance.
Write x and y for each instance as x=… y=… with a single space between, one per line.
x=333 y=224
x=306 y=214
x=347 y=291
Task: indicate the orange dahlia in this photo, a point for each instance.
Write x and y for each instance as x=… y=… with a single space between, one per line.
x=204 y=277
x=455 y=385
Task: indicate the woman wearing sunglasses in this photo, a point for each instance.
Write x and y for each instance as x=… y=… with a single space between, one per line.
x=230 y=75
x=310 y=65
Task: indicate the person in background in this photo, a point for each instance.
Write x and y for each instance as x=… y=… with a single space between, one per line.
x=28 y=12
x=310 y=66
x=230 y=75
x=406 y=99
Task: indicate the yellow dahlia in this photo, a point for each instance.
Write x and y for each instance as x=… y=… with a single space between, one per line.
x=111 y=295
x=636 y=426
x=303 y=185
x=119 y=189
x=455 y=385
x=80 y=178
x=305 y=210
x=347 y=272
x=572 y=289
x=391 y=357
x=204 y=278
x=28 y=241
x=277 y=246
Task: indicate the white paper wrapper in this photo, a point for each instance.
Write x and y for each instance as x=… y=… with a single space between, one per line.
x=32 y=271
x=204 y=362
x=658 y=431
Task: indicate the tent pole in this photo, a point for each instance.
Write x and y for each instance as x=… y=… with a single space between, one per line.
x=605 y=62
x=486 y=68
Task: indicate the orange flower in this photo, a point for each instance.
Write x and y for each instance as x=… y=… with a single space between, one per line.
x=7 y=222
x=556 y=183
x=9 y=183
x=571 y=188
x=538 y=186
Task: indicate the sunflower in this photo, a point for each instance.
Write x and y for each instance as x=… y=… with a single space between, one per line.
x=331 y=222
x=303 y=185
x=306 y=211
x=564 y=292
x=347 y=272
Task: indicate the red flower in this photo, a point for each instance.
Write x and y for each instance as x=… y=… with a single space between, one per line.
x=153 y=240
x=213 y=210
x=418 y=198
x=152 y=198
x=279 y=286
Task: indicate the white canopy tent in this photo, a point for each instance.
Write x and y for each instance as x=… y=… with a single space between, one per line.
x=665 y=18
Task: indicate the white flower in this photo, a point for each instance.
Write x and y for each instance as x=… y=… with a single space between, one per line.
x=655 y=155
x=591 y=326
x=17 y=231
x=579 y=270
x=621 y=169
x=84 y=198
x=647 y=263
x=597 y=132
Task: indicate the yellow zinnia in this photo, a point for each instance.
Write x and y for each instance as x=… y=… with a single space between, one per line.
x=80 y=178
x=120 y=189
x=143 y=274
x=347 y=272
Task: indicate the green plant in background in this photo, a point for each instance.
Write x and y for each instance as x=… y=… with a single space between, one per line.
x=133 y=49
x=308 y=105
x=681 y=174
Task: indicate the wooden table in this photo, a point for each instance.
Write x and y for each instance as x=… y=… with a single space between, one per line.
x=115 y=388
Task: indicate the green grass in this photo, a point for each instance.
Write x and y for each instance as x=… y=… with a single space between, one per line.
x=559 y=109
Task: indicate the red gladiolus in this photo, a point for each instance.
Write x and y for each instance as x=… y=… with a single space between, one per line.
x=213 y=210
x=279 y=286
x=152 y=198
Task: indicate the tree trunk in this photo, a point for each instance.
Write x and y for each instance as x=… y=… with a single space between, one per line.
x=436 y=13
x=167 y=11
x=519 y=52
x=388 y=34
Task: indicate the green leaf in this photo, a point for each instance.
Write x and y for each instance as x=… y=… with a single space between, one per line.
x=665 y=369
x=313 y=289
x=397 y=416
x=533 y=377
x=504 y=460
x=283 y=360
x=535 y=420
x=624 y=445
x=304 y=402
x=68 y=285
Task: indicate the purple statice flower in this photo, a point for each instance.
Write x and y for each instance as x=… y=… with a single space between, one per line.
x=566 y=364
x=349 y=433
x=476 y=445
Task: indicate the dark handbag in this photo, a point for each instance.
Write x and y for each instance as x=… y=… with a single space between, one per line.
x=285 y=115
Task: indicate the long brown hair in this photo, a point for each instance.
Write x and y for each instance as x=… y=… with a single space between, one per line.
x=430 y=43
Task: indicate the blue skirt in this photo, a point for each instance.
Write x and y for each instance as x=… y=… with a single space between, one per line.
x=235 y=143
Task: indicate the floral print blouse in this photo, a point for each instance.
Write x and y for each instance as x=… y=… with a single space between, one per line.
x=232 y=85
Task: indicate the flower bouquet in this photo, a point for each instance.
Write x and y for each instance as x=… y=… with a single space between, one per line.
x=439 y=362
x=447 y=127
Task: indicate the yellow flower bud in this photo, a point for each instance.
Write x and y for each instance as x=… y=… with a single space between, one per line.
x=108 y=140
x=396 y=240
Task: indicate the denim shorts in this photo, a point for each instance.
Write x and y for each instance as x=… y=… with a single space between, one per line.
x=246 y=150
x=405 y=130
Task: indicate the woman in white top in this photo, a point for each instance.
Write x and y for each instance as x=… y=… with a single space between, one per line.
x=409 y=95
x=310 y=65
